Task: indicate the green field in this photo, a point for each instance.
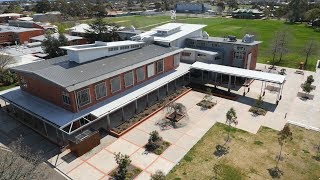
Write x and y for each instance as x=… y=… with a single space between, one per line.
x=263 y=29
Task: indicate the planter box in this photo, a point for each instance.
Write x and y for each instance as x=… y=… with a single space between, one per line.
x=177 y=119
x=86 y=144
x=305 y=95
x=117 y=135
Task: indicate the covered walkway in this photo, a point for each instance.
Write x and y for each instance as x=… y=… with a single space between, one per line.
x=216 y=69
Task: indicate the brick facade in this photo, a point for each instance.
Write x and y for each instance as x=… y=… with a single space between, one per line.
x=53 y=93
x=20 y=37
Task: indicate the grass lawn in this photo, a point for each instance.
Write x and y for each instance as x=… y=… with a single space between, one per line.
x=2 y=88
x=250 y=155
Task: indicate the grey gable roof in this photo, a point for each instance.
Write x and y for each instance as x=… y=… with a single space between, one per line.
x=72 y=76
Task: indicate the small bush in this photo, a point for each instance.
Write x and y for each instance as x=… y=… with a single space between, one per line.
x=154 y=141
x=258 y=143
x=7 y=78
x=258 y=111
x=305 y=151
x=275 y=172
x=188 y=158
x=159 y=175
x=123 y=162
x=221 y=150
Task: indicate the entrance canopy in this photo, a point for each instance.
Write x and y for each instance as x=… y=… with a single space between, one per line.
x=233 y=71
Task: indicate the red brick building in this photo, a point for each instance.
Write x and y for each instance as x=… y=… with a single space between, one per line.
x=19 y=35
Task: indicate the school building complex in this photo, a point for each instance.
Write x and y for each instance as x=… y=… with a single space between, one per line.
x=104 y=84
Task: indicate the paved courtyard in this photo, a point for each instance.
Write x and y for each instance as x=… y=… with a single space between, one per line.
x=99 y=162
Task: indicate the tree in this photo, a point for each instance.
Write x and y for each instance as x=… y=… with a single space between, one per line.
x=159 y=175
x=311 y=48
x=5 y=60
x=233 y=4
x=165 y=4
x=279 y=45
x=231 y=118
x=259 y=101
x=312 y=14
x=102 y=31
x=306 y=87
x=153 y=141
x=310 y=79
x=51 y=45
x=221 y=7
x=129 y=4
x=283 y=46
x=282 y=11
x=42 y=6
x=176 y=108
x=13 y=7
x=284 y=136
x=123 y=162
x=7 y=77
x=298 y=9
x=19 y=162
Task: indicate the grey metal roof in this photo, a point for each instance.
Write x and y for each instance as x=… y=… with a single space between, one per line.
x=223 y=40
x=56 y=35
x=72 y=76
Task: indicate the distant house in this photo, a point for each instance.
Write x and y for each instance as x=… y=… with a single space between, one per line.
x=316 y=22
x=185 y=7
x=17 y=35
x=127 y=33
x=72 y=40
x=4 y=18
x=32 y=24
x=48 y=17
x=247 y=14
x=78 y=30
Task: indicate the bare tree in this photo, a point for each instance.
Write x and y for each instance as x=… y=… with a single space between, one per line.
x=279 y=45
x=18 y=162
x=5 y=60
x=231 y=118
x=311 y=48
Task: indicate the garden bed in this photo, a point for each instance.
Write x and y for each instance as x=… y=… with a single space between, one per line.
x=132 y=173
x=175 y=119
x=206 y=104
x=163 y=145
x=148 y=112
x=214 y=91
x=258 y=111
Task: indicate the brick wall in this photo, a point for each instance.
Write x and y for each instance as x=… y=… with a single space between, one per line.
x=254 y=56
x=6 y=37
x=25 y=36
x=47 y=91
x=53 y=93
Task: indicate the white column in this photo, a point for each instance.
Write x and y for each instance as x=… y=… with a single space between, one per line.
x=108 y=122
x=122 y=114
x=229 y=82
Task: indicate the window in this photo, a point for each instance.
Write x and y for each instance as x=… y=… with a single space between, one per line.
x=113 y=49
x=150 y=69
x=239 y=55
x=100 y=90
x=65 y=98
x=201 y=44
x=186 y=53
x=135 y=46
x=83 y=97
x=201 y=55
x=128 y=79
x=124 y=47
x=115 y=84
x=140 y=72
x=176 y=60
x=23 y=82
x=160 y=66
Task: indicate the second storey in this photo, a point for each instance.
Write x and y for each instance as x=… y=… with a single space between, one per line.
x=76 y=86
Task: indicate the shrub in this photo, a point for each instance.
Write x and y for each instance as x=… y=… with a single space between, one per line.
x=123 y=162
x=258 y=143
x=310 y=79
x=154 y=141
x=221 y=150
x=159 y=175
x=8 y=78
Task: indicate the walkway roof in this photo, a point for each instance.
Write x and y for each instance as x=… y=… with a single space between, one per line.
x=239 y=72
x=61 y=117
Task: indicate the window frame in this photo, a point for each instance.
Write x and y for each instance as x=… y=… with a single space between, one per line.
x=64 y=96
x=119 y=84
x=80 y=91
x=95 y=90
x=144 y=74
x=160 y=61
x=124 y=79
x=154 y=73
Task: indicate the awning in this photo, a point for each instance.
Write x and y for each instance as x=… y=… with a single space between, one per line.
x=239 y=72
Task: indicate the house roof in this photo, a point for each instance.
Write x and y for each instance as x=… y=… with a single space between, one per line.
x=71 y=75
x=61 y=117
x=56 y=35
x=4 y=28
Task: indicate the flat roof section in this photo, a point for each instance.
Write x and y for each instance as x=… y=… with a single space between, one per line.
x=61 y=117
x=224 y=40
x=239 y=72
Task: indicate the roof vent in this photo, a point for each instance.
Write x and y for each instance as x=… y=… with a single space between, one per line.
x=205 y=35
x=232 y=38
x=248 y=38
